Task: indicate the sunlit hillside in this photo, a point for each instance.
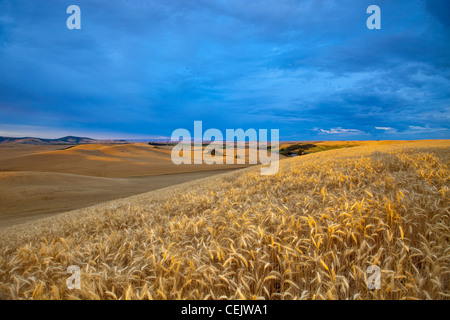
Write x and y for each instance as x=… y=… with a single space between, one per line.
x=41 y=180
x=309 y=232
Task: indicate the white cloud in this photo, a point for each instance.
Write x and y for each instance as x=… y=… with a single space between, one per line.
x=340 y=130
x=387 y=129
x=427 y=129
x=419 y=128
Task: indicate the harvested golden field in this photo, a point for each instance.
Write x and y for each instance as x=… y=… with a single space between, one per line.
x=98 y=160
x=27 y=196
x=309 y=232
x=41 y=180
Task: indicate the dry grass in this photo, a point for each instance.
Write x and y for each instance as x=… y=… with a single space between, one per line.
x=309 y=232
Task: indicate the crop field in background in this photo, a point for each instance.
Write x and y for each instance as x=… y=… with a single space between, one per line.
x=308 y=232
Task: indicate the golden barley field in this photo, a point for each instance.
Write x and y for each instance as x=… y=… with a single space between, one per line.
x=308 y=232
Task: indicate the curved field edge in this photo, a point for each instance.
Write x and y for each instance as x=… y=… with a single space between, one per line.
x=309 y=232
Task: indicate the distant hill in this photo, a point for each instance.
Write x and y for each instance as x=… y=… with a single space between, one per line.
x=69 y=140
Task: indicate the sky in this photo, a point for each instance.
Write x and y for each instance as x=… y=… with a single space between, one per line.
x=141 y=69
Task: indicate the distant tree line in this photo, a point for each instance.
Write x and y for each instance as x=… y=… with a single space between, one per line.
x=298 y=149
x=158 y=143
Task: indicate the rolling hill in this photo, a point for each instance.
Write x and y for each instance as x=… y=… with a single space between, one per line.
x=309 y=232
x=41 y=180
x=68 y=140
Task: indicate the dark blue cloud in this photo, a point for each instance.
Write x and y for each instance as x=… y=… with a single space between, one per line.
x=144 y=68
x=439 y=9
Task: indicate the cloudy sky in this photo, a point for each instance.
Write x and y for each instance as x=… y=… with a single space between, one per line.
x=141 y=69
